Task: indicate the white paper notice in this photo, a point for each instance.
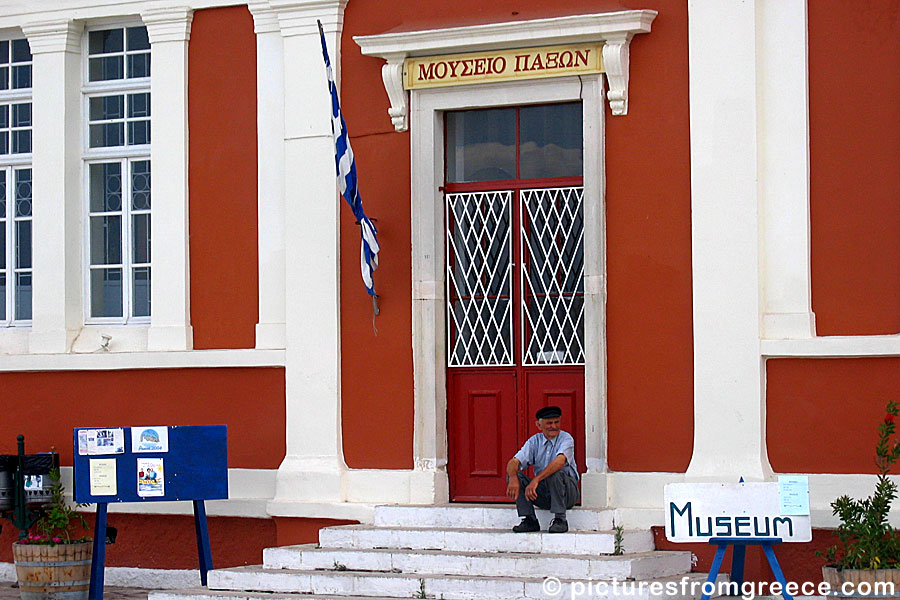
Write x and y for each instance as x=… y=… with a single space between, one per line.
x=101 y=441
x=793 y=494
x=151 y=478
x=149 y=439
x=103 y=476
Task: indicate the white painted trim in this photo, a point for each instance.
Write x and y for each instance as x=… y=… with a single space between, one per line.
x=784 y=169
x=729 y=407
x=248 y=492
x=95 y=11
x=169 y=30
x=57 y=259
x=832 y=347
x=313 y=464
x=133 y=577
x=362 y=489
x=270 y=330
x=142 y=360
x=429 y=347
x=364 y=513
x=614 y=28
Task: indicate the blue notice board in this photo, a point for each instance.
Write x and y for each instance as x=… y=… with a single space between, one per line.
x=195 y=465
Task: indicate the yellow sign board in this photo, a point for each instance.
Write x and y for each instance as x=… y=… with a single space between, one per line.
x=502 y=65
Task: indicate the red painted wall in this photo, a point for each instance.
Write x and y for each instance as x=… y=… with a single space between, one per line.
x=648 y=242
x=649 y=308
x=290 y=531
x=45 y=407
x=811 y=403
x=222 y=182
x=854 y=166
x=234 y=541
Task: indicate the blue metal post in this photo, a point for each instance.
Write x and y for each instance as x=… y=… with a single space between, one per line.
x=776 y=570
x=738 y=556
x=204 y=552
x=98 y=560
x=714 y=570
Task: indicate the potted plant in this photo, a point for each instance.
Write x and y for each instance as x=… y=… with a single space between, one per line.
x=868 y=549
x=56 y=562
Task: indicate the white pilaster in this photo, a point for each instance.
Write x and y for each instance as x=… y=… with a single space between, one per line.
x=169 y=30
x=784 y=169
x=270 y=331
x=313 y=467
x=729 y=435
x=57 y=212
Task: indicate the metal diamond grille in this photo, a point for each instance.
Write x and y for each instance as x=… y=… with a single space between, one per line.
x=552 y=276
x=479 y=279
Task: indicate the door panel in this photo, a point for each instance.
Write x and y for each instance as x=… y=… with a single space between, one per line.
x=562 y=387
x=482 y=437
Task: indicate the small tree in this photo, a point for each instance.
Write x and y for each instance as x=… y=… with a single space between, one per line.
x=866 y=538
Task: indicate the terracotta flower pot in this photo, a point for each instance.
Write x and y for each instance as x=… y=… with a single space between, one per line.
x=863 y=583
x=57 y=571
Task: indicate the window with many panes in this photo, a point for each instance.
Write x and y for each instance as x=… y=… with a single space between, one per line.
x=117 y=169
x=15 y=183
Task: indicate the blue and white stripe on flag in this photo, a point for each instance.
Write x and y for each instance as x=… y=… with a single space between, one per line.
x=346 y=175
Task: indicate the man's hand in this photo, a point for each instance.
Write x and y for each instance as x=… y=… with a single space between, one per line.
x=512 y=488
x=512 y=478
x=531 y=490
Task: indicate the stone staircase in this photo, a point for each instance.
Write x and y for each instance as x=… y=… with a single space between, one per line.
x=459 y=552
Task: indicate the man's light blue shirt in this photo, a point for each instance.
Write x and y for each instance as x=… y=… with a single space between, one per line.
x=540 y=452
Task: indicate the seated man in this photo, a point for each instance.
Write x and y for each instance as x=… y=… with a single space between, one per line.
x=555 y=483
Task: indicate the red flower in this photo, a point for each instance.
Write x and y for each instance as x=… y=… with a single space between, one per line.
x=889 y=418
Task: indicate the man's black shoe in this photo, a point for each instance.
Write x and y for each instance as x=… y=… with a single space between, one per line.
x=527 y=525
x=558 y=525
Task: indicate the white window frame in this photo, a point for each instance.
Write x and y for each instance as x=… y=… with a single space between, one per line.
x=125 y=155
x=9 y=163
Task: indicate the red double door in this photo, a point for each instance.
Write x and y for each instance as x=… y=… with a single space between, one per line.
x=491 y=414
x=515 y=292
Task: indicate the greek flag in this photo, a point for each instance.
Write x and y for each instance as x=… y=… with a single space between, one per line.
x=346 y=176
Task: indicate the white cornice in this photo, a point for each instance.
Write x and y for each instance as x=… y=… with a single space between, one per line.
x=516 y=34
x=298 y=17
x=53 y=36
x=615 y=29
x=265 y=18
x=168 y=24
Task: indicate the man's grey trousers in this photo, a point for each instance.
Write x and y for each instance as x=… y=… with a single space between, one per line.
x=556 y=493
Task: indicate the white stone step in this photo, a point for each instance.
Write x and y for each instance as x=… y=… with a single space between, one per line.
x=483 y=540
x=205 y=594
x=355 y=584
x=488 y=516
x=645 y=565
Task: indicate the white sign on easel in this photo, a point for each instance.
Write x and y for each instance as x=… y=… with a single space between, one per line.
x=696 y=512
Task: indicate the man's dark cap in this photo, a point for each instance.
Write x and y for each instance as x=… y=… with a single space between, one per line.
x=548 y=412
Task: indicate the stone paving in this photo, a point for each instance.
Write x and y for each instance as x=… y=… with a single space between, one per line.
x=9 y=592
